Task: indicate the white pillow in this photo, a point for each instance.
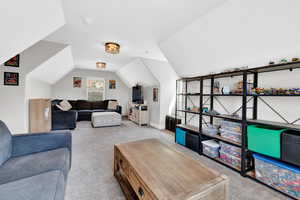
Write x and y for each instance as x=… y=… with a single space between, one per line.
x=64 y=105
x=112 y=105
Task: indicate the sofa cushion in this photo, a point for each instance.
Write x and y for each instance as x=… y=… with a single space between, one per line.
x=98 y=105
x=5 y=143
x=112 y=105
x=45 y=186
x=33 y=164
x=83 y=105
x=73 y=104
x=64 y=105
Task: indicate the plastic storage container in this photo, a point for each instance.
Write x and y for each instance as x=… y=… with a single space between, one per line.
x=210 y=130
x=283 y=177
x=230 y=149
x=290 y=147
x=231 y=135
x=192 y=142
x=265 y=140
x=180 y=136
x=211 y=148
x=232 y=126
x=230 y=159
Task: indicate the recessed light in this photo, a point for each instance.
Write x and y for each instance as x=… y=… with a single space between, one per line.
x=100 y=65
x=112 y=47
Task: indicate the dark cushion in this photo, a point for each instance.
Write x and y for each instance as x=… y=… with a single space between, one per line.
x=45 y=186
x=84 y=112
x=98 y=105
x=83 y=105
x=5 y=143
x=33 y=164
x=73 y=104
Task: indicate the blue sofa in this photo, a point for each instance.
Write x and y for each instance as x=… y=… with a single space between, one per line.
x=34 y=166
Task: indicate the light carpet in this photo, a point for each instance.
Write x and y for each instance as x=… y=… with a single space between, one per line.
x=91 y=176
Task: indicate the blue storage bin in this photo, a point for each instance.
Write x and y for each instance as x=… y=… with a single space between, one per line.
x=283 y=177
x=180 y=136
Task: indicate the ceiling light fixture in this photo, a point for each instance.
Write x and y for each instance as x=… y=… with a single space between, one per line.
x=112 y=47
x=101 y=65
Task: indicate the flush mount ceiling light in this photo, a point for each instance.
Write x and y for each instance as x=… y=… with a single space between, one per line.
x=101 y=65
x=112 y=47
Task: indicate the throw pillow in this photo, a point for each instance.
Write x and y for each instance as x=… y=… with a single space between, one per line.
x=112 y=105
x=64 y=105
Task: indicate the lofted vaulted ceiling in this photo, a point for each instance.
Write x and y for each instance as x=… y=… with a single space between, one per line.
x=137 y=25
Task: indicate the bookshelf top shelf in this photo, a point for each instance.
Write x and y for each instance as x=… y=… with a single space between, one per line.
x=263 y=69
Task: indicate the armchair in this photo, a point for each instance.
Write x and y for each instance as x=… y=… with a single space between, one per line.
x=31 y=163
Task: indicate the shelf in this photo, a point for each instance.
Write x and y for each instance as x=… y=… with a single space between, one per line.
x=223 y=163
x=276 y=124
x=230 y=95
x=189 y=111
x=218 y=137
x=251 y=175
x=274 y=95
x=189 y=94
x=228 y=117
x=189 y=127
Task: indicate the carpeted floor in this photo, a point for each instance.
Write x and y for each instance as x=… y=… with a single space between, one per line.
x=91 y=177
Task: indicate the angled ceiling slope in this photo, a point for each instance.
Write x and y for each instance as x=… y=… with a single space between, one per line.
x=55 y=68
x=238 y=33
x=137 y=25
x=137 y=73
x=26 y=22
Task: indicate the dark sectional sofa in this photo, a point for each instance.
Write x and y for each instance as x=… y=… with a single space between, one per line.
x=81 y=111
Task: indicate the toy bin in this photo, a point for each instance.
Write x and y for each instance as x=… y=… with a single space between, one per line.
x=230 y=159
x=231 y=135
x=281 y=176
x=180 y=136
x=230 y=149
x=211 y=148
x=265 y=140
x=290 y=147
x=192 y=142
x=232 y=126
x=210 y=130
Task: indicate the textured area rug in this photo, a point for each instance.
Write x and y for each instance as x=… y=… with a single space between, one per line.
x=91 y=177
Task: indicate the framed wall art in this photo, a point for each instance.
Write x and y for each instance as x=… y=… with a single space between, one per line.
x=77 y=82
x=112 y=84
x=11 y=78
x=13 y=62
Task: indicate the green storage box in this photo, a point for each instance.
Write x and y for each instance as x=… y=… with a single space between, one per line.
x=265 y=140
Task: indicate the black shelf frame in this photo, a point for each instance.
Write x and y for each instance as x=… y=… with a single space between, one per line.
x=244 y=119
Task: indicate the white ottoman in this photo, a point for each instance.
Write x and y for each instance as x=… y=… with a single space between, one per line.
x=102 y=119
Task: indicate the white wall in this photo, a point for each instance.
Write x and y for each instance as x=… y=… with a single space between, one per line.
x=14 y=101
x=63 y=89
x=136 y=72
x=239 y=33
x=153 y=107
x=166 y=77
x=26 y=22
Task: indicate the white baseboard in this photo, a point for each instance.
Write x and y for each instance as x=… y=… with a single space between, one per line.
x=157 y=126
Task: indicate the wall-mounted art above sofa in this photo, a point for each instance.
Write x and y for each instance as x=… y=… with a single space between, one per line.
x=81 y=111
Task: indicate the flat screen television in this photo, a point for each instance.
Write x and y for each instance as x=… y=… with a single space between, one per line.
x=137 y=95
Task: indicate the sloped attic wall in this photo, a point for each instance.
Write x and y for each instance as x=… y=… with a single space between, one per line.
x=239 y=33
x=166 y=76
x=26 y=22
x=137 y=73
x=14 y=98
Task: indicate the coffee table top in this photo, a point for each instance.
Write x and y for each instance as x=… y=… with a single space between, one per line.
x=168 y=173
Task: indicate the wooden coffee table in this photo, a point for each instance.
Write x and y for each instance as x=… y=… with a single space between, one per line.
x=150 y=170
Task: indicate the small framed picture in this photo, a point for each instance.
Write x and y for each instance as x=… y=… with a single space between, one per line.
x=13 y=62
x=155 y=94
x=11 y=78
x=112 y=84
x=77 y=81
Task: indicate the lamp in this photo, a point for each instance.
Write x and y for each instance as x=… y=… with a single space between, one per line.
x=101 y=65
x=112 y=47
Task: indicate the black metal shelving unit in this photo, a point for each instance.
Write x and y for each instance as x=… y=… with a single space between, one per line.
x=244 y=119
